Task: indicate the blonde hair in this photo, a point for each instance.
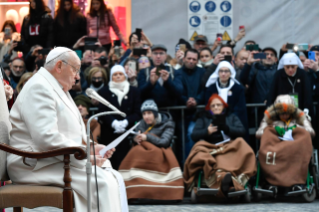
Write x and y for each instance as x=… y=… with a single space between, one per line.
x=25 y=77
x=94 y=71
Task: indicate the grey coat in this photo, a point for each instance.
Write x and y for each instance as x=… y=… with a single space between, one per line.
x=164 y=129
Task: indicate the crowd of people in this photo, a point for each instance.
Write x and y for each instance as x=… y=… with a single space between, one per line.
x=139 y=78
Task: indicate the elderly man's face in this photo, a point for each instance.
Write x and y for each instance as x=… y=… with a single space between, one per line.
x=69 y=72
x=241 y=59
x=198 y=45
x=158 y=57
x=290 y=69
x=17 y=68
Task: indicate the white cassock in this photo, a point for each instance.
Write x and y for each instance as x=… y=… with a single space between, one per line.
x=43 y=118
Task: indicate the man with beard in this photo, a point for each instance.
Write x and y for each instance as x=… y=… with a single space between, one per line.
x=17 y=70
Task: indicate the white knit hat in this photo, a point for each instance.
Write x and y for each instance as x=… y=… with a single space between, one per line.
x=56 y=52
x=117 y=68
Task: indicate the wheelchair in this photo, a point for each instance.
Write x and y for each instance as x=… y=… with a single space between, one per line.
x=245 y=195
x=308 y=192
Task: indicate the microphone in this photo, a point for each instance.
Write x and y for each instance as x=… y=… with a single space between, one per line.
x=92 y=94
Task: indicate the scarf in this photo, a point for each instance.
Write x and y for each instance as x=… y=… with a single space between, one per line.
x=120 y=89
x=223 y=92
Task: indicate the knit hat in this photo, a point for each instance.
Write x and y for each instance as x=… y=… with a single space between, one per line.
x=117 y=68
x=150 y=105
x=83 y=100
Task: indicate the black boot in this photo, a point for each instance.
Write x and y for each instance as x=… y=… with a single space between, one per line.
x=226 y=184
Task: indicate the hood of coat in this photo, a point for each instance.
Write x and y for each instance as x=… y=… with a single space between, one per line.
x=284 y=104
x=163 y=118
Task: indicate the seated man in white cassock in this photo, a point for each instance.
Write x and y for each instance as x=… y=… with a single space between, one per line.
x=44 y=117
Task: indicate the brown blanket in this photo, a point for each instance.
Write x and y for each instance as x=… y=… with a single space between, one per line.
x=285 y=163
x=151 y=172
x=235 y=157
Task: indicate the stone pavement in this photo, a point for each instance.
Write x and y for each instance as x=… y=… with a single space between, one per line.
x=283 y=206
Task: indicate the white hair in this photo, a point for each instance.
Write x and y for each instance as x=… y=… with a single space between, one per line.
x=66 y=57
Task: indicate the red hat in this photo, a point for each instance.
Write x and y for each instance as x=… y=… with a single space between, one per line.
x=212 y=97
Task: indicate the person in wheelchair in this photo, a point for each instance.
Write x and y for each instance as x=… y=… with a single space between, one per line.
x=227 y=161
x=150 y=169
x=285 y=145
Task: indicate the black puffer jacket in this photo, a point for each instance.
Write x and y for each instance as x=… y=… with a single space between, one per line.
x=45 y=34
x=69 y=33
x=164 y=129
x=234 y=128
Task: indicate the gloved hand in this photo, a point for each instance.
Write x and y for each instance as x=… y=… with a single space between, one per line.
x=117 y=126
x=123 y=123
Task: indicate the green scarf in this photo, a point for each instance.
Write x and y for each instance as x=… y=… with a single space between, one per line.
x=281 y=130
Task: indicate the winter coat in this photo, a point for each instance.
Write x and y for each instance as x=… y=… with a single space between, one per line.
x=234 y=128
x=165 y=95
x=236 y=101
x=258 y=77
x=163 y=130
x=44 y=36
x=280 y=85
x=102 y=31
x=284 y=104
x=191 y=81
x=130 y=105
x=209 y=71
x=69 y=33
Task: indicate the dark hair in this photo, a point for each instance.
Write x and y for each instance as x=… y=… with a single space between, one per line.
x=226 y=45
x=206 y=49
x=131 y=59
x=103 y=10
x=250 y=41
x=100 y=49
x=39 y=7
x=130 y=38
x=11 y=24
x=60 y=13
x=193 y=51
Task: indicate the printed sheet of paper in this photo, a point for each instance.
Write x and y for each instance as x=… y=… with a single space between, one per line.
x=117 y=141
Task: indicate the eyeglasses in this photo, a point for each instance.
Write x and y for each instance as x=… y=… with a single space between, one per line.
x=216 y=105
x=77 y=71
x=158 y=53
x=270 y=54
x=97 y=78
x=224 y=71
x=143 y=61
x=18 y=67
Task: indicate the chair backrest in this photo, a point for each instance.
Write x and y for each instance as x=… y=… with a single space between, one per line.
x=5 y=128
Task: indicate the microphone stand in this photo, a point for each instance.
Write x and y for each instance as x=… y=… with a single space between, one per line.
x=88 y=163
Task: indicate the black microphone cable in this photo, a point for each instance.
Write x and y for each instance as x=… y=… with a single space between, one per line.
x=96 y=184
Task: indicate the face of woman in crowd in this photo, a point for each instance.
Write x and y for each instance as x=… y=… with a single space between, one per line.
x=224 y=74
x=290 y=70
x=216 y=106
x=97 y=79
x=143 y=62
x=67 y=5
x=118 y=77
x=148 y=117
x=96 y=5
x=33 y=4
x=205 y=56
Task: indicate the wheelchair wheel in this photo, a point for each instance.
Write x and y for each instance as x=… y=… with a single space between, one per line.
x=247 y=196
x=194 y=197
x=310 y=197
x=257 y=196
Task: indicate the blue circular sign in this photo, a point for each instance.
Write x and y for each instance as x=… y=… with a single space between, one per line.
x=194 y=21
x=210 y=6
x=194 y=6
x=225 y=6
x=225 y=21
